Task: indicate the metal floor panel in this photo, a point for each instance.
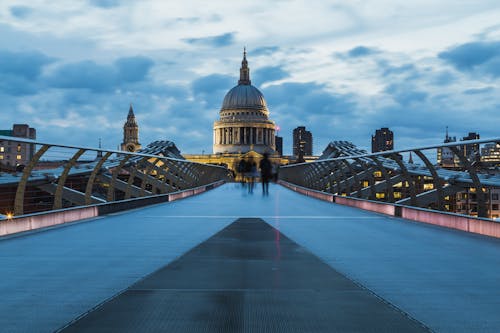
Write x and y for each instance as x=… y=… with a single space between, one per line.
x=246 y=278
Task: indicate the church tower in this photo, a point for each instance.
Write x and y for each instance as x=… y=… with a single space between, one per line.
x=130 y=133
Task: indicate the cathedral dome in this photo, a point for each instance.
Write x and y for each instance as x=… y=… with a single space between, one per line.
x=244 y=96
x=244 y=123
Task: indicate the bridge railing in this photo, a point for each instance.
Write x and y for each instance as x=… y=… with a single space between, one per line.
x=37 y=176
x=464 y=183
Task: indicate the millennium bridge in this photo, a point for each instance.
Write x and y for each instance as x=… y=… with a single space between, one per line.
x=95 y=240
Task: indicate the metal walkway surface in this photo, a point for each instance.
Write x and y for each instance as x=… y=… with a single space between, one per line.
x=246 y=278
x=445 y=279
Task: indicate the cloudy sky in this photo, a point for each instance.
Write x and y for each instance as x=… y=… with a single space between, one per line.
x=341 y=68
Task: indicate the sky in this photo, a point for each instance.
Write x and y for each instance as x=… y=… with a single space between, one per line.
x=343 y=69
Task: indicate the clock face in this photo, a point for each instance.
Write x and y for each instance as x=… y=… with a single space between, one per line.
x=130 y=147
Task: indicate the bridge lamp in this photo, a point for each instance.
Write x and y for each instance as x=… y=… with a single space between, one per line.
x=9 y=216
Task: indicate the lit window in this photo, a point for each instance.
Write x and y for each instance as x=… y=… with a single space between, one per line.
x=365 y=183
x=428 y=186
x=18 y=157
x=2 y=149
x=380 y=195
x=377 y=174
x=18 y=148
x=1 y=157
x=397 y=195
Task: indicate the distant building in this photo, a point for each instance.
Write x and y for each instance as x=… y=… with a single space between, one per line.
x=445 y=156
x=244 y=125
x=130 y=133
x=471 y=151
x=302 y=142
x=490 y=154
x=278 y=140
x=244 y=130
x=13 y=154
x=383 y=140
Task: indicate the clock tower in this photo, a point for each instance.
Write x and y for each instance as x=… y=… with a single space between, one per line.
x=130 y=133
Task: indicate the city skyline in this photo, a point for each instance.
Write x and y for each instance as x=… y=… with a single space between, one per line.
x=340 y=70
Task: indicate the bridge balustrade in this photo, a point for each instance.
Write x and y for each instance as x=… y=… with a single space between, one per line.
x=394 y=176
x=37 y=176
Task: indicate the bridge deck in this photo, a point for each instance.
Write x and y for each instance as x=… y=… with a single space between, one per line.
x=444 y=279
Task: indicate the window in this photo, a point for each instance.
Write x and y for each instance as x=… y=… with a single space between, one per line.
x=18 y=148
x=428 y=186
x=2 y=149
x=494 y=196
x=18 y=157
x=377 y=174
x=1 y=157
x=380 y=195
x=494 y=207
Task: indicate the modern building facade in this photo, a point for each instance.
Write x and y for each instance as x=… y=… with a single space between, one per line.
x=279 y=144
x=13 y=154
x=130 y=133
x=244 y=123
x=471 y=151
x=302 y=142
x=490 y=154
x=383 y=140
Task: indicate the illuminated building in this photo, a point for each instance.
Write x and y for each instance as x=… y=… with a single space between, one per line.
x=244 y=123
x=445 y=156
x=383 y=140
x=13 y=154
x=243 y=130
x=490 y=154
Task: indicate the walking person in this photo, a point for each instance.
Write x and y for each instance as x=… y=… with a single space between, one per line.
x=265 y=173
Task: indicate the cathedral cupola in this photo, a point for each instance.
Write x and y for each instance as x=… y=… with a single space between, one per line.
x=244 y=123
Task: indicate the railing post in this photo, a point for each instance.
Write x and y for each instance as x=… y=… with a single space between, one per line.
x=435 y=179
x=90 y=182
x=19 y=200
x=62 y=178
x=407 y=177
x=480 y=195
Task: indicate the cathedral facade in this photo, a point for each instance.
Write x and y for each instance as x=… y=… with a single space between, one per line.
x=244 y=123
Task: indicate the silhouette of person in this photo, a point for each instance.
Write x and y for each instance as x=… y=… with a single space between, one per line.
x=265 y=173
x=242 y=165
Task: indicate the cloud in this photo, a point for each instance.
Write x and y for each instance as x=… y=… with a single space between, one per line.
x=100 y=78
x=482 y=57
x=264 y=50
x=23 y=64
x=213 y=41
x=105 y=3
x=133 y=69
x=406 y=94
x=475 y=91
x=388 y=69
x=20 y=12
x=268 y=74
x=19 y=72
x=308 y=98
x=361 y=51
x=210 y=90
